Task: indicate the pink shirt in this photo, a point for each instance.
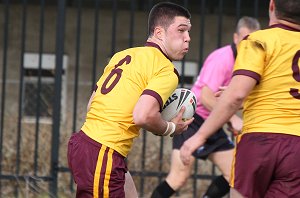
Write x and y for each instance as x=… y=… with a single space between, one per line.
x=216 y=71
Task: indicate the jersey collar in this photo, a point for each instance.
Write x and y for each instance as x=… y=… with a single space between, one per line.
x=151 y=44
x=282 y=26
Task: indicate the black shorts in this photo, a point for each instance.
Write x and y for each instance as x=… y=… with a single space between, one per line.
x=217 y=142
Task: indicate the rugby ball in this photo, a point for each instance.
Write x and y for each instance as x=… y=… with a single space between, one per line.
x=180 y=97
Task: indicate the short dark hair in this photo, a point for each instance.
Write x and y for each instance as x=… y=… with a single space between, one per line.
x=163 y=14
x=288 y=10
x=247 y=22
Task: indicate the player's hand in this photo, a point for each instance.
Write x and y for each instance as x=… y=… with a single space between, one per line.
x=235 y=125
x=221 y=89
x=181 y=124
x=189 y=146
x=232 y=130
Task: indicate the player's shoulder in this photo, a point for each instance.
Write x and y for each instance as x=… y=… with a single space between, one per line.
x=153 y=56
x=135 y=53
x=257 y=34
x=270 y=37
x=146 y=52
x=222 y=51
x=268 y=34
x=145 y=58
x=220 y=56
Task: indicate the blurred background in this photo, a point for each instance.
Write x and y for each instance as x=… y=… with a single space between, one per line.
x=52 y=54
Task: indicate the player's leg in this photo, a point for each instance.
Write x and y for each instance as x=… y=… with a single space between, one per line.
x=129 y=187
x=78 y=166
x=235 y=194
x=220 y=186
x=179 y=173
x=219 y=150
x=98 y=171
x=286 y=177
x=256 y=168
x=177 y=177
x=223 y=160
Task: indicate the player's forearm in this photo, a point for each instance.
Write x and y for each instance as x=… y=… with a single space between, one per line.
x=222 y=112
x=228 y=103
x=209 y=103
x=207 y=98
x=219 y=115
x=152 y=123
x=147 y=116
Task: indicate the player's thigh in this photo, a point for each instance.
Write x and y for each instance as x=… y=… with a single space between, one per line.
x=129 y=187
x=223 y=160
x=286 y=177
x=178 y=170
x=81 y=155
x=256 y=162
x=96 y=168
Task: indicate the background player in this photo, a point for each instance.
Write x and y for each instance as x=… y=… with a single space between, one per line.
x=129 y=96
x=216 y=72
x=266 y=78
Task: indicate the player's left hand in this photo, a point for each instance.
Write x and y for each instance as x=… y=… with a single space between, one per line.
x=220 y=91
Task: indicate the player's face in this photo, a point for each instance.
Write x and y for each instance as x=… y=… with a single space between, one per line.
x=241 y=34
x=177 y=38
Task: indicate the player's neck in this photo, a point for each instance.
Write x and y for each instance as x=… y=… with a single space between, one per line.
x=290 y=24
x=160 y=44
x=154 y=40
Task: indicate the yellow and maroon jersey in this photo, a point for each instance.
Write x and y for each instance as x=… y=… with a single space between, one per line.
x=272 y=57
x=128 y=75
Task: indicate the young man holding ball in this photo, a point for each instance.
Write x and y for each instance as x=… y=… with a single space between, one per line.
x=129 y=96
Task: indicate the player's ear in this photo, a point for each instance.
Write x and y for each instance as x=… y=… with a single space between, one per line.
x=158 y=32
x=271 y=6
x=235 y=38
x=272 y=15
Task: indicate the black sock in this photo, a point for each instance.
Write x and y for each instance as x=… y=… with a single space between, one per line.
x=163 y=190
x=218 y=188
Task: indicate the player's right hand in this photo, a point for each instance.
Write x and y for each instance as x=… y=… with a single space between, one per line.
x=232 y=130
x=181 y=124
x=235 y=125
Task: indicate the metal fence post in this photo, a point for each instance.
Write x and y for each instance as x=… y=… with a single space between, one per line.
x=60 y=30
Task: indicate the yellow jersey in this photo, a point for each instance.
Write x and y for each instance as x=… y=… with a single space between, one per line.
x=128 y=75
x=272 y=57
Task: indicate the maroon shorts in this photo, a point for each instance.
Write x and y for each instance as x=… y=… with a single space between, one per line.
x=267 y=165
x=98 y=170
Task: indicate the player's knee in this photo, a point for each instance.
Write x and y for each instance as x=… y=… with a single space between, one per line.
x=226 y=172
x=226 y=176
x=178 y=179
x=179 y=173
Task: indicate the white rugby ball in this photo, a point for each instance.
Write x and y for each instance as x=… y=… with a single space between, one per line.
x=180 y=97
